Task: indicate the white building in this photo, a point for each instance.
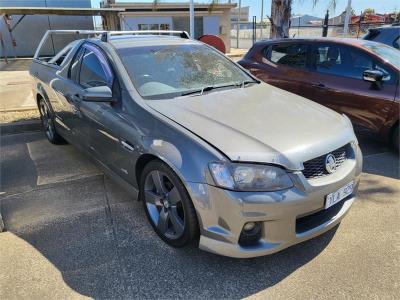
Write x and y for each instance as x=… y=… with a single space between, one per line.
x=213 y=19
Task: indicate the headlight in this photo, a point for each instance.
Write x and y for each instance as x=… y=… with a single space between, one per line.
x=247 y=177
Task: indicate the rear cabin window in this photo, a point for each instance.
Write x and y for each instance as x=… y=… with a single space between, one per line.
x=60 y=56
x=291 y=55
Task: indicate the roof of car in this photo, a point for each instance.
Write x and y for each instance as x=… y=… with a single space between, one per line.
x=346 y=41
x=387 y=27
x=128 y=41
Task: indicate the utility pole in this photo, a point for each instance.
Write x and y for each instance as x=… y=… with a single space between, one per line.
x=325 y=26
x=347 y=18
x=261 y=19
x=238 y=24
x=191 y=16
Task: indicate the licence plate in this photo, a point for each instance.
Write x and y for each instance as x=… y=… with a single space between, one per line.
x=340 y=194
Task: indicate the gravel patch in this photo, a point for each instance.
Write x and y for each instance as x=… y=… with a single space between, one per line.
x=15 y=116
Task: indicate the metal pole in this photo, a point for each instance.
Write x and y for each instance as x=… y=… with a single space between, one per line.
x=298 y=27
x=3 y=49
x=261 y=20
x=325 y=26
x=191 y=16
x=238 y=24
x=254 y=29
x=347 y=18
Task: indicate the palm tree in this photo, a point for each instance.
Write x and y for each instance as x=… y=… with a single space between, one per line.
x=281 y=11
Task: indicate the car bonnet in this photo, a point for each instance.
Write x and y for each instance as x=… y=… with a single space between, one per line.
x=260 y=123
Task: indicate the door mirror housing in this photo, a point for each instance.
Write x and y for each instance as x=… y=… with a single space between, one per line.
x=373 y=75
x=98 y=94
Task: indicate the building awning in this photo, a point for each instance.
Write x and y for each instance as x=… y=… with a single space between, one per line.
x=64 y=11
x=169 y=6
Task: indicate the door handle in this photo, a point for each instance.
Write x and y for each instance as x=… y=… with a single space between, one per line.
x=76 y=111
x=73 y=97
x=319 y=86
x=127 y=146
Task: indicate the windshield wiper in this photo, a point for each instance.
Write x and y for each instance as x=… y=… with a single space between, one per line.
x=199 y=91
x=212 y=87
x=246 y=82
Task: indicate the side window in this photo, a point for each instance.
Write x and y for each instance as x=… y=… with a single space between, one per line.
x=92 y=73
x=265 y=52
x=74 y=70
x=329 y=59
x=344 y=61
x=396 y=43
x=291 y=55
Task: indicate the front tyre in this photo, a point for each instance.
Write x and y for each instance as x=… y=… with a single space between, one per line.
x=47 y=118
x=168 y=206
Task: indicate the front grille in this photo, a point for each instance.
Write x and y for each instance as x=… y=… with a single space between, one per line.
x=309 y=222
x=315 y=168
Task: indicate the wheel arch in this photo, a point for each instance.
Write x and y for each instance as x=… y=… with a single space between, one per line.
x=38 y=97
x=141 y=163
x=145 y=158
x=41 y=94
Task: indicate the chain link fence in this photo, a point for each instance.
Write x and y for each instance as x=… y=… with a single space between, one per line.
x=250 y=32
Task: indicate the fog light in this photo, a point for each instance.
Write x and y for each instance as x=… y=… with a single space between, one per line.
x=251 y=234
x=249 y=226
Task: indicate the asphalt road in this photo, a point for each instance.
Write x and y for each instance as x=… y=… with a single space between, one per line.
x=72 y=233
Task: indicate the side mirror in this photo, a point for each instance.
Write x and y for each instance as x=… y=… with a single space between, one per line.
x=98 y=94
x=373 y=75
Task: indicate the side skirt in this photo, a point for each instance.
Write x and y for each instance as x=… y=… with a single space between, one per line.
x=106 y=170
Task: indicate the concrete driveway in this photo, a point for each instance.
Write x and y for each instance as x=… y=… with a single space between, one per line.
x=71 y=233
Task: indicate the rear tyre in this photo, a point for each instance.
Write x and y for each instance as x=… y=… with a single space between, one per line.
x=168 y=206
x=47 y=118
x=395 y=138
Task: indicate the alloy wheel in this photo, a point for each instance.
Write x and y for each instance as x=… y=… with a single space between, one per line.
x=164 y=205
x=47 y=119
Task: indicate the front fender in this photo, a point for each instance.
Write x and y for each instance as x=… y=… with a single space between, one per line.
x=185 y=158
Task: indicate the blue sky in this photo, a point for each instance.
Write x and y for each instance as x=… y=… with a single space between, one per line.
x=303 y=6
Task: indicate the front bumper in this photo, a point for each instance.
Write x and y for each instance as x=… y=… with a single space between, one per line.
x=222 y=213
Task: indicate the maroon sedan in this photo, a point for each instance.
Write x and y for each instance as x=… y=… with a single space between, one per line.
x=356 y=77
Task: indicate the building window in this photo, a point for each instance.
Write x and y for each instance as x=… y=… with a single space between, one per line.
x=153 y=27
x=143 y=26
x=164 y=26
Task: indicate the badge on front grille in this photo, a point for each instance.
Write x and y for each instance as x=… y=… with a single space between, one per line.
x=330 y=163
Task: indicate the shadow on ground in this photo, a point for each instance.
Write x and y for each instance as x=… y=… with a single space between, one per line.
x=379 y=158
x=110 y=251
x=98 y=237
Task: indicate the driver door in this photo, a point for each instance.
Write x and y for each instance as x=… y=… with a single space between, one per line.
x=339 y=84
x=110 y=135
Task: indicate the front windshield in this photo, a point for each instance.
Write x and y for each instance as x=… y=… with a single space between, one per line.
x=389 y=54
x=169 y=71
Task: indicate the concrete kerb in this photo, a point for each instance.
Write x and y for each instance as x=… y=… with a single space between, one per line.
x=20 y=126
